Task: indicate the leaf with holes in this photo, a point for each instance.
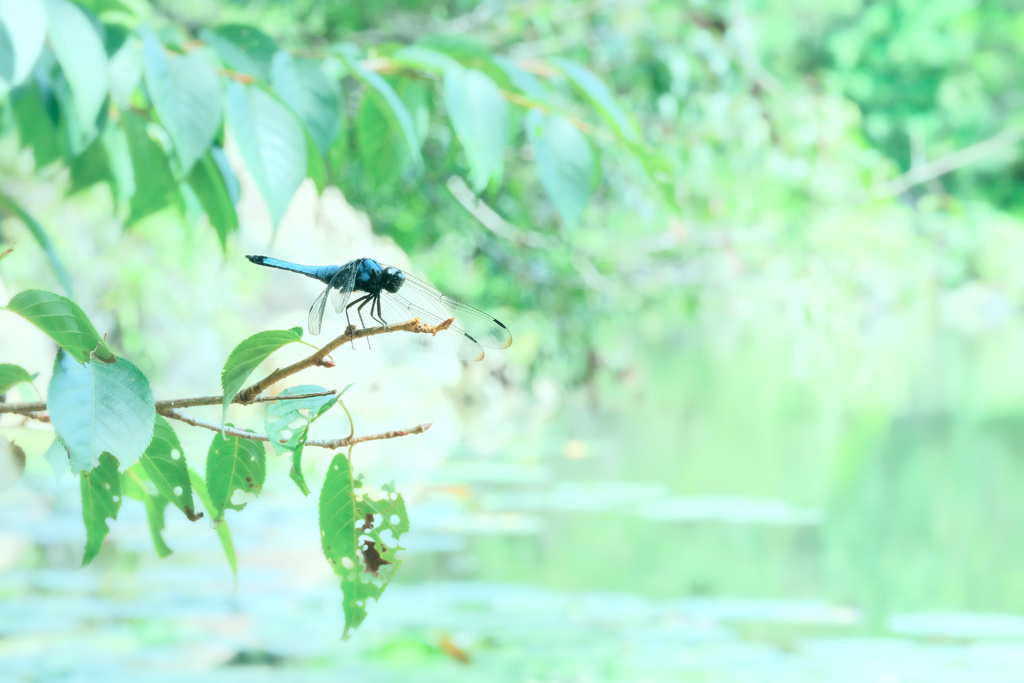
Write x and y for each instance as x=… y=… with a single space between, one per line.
x=289 y=422
x=164 y=465
x=101 y=500
x=11 y=374
x=359 y=536
x=247 y=356
x=565 y=163
x=272 y=143
x=185 y=92
x=97 y=408
x=479 y=115
x=134 y=484
x=233 y=464
x=63 y=321
x=221 y=525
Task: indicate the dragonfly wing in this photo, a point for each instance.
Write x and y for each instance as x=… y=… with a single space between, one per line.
x=342 y=285
x=427 y=300
x=394 y=308
x=316 y=311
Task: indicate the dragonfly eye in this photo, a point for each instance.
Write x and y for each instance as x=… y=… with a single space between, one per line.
x=393 y=279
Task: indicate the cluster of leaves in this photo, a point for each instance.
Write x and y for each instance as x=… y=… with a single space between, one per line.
x=110 y=433
x=150 y=112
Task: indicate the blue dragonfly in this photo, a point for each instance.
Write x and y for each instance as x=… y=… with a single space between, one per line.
x=394 y=297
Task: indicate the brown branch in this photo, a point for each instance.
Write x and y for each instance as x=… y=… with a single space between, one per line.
x=217 y=400
x=334 y=443
x=352 y=440
x=37 y=409
x=351 y=334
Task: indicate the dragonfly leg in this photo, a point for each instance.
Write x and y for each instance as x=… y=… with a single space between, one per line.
x=368 y=299
x=362 y=299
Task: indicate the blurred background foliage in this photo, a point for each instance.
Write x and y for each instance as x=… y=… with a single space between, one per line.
x=775 y=355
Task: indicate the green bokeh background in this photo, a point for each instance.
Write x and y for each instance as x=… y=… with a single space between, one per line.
x=767 y=428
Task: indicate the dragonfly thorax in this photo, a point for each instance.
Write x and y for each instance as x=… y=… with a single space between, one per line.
x=372 y=277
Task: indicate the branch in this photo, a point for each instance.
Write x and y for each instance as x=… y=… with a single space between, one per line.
x=245 y=396
x=37 y=409
x=352 y=440
x=948 y=164
x=334 y=443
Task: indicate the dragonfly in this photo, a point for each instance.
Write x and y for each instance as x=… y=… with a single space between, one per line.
x=393 y=296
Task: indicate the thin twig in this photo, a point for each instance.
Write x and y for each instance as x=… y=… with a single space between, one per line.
x=334 y=443
x=222 y=429
x=351 y=440
x=350 y=334
x=217 y=400
x=948 y=164
x=490 y=219
x=37 y=409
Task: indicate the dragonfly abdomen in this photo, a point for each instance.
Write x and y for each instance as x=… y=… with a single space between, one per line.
x=322 y=273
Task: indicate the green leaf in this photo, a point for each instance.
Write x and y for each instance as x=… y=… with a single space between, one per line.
x=39 y=233
x=207 y=181
x=598 y=94
x=425 y=59
x=119 y=159
x=165 y=465
x=272 y=142
x=63 y=321
x=133 y=482
x=37 y=128
x=11 y=374
x=310 y=94
x=24 y=24
x=391 y=106
x=359 y=536
x=79 y=50
x=242 y=48
x=479 y=115
x=101 y=500
x=126 y=70
x=89 y=167
x=152 y=179
x=380 y=146
x=97 y=408
x=185 y=92
x=523 y=81
x=416 y=96
x=12 y=463
x=247 y=356
x=564 y=162
x=315 y=165
x=57 y=456
x=199 y=486
x=234 y=464
x=289 y=421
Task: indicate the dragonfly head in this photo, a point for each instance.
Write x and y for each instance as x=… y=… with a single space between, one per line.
x=392 y=279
